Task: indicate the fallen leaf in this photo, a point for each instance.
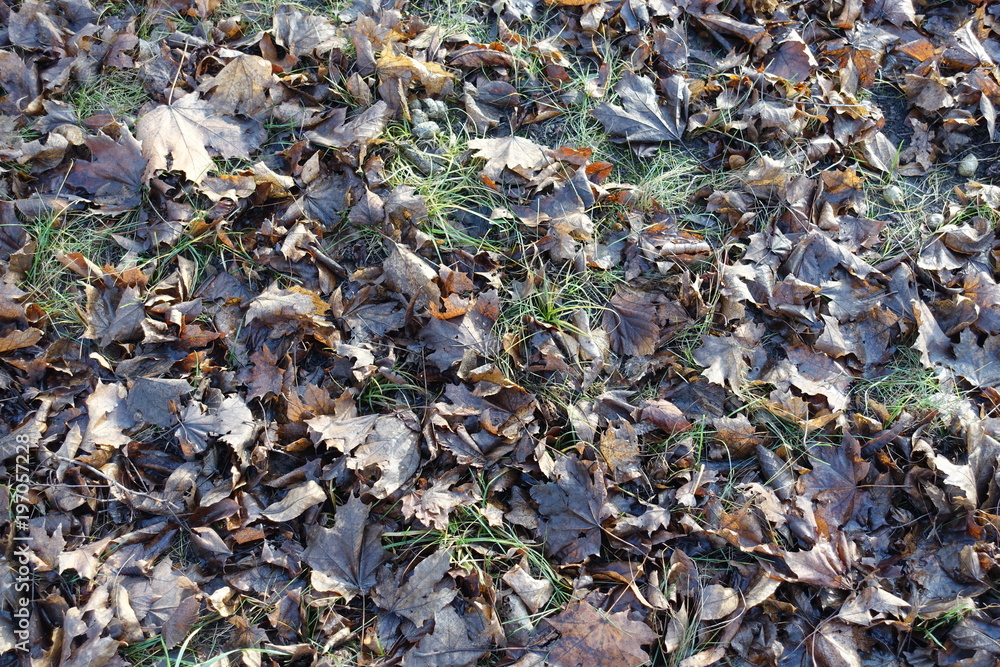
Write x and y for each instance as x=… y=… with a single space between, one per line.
x=572 y=509
x=180 y=136
x=241 y=86
x=424 y=594
x=436 y=80
x=448 y=644
x=535 y=593
x=835 y=645
x=631 y=323
x=150 y=399
x=586 y=632
x=833 y=482
x=18 y=340
x=345 y=558
x=304 y=34
x=392 y=447
x=115 y=174
x=180 y=623
x=823 y=565
x=296 y=501
x=793 y=59
x=643 y=119
x=718 y=602
x=520 y=155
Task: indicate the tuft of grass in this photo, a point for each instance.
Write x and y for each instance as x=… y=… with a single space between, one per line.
x=458 y=203
x=905 y=385
x=456 y=17
x=935 y=629
x=381 y=394
x=154 y=652
x=475 y=544
x=911 y=220
x=56 y=289
x=117 y=92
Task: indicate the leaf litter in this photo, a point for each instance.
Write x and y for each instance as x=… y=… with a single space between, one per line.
x=369 y=340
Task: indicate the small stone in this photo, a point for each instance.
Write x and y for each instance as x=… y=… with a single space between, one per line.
x=436 y=109
x=417 y=117
x=935 y=221
x=426 y=130
x=892 y=195
x=968 y=166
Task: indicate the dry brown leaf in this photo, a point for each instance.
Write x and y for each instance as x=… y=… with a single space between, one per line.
x=535 y=593
x=184 y=135
x=516 y=153
x=345 y=558
x=718 y=602
x=17 y=340
x=241 y=86
x=644 y=119
x=632 y=324
x=436 y=80
x=296 y=501
x=586 y=632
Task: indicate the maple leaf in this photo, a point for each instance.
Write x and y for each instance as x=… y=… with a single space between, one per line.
x=325 y=197
x=235 y=425
x=833 y=481
x=664 y=415
x=717 y=602
x=370 y=211
x=432 y=506
x=835 y=644
x=827 y=564
x=452 y=339
x=644 y=119
x=896 y=12
x=474 y=56
x=980 y=365
x=520 y=155
x=436 y=80
x=266 y=378
x=18 y=83
x=724 y=360
x=410 y=274
x=535 y=593
x=303 y=33
x=448 y=644
x=114 y=175
x=631 y=323
x=275 y=306
x=392 y=448
x=195 y=426
x=109 y=417
x=111 y=320
x=150 y=399
x=586 y=632
x=859 y=609
x=362 y=129
x=16 y=340
x=186 y=131
x=793 y=60
x=179 y=625
x=345 y=558
x=620 y=448
x=425 y=593
x=572 y=509
x=342 y=434
x=241 y=86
